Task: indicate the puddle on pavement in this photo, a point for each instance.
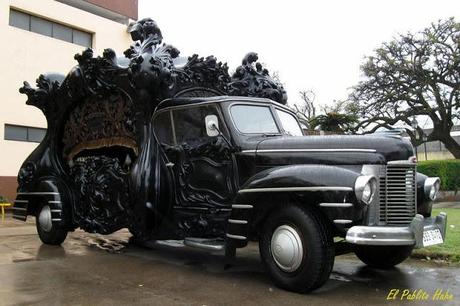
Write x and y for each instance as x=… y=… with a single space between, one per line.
x=23 y=259
x=339 y=277
x=108 y=245
x=114 y=243
x=26 y=248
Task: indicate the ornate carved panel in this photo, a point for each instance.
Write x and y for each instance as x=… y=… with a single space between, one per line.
x=97 y=123
x=104 y=205
x=204 y=173
x=107 y=101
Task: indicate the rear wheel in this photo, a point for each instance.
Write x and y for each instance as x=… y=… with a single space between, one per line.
x=383 y=257
x=297 y=249
x=48 y=232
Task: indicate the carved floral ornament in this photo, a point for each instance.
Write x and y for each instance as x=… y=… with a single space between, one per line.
x=143 y=77
x=148 y=65
x=99 y=136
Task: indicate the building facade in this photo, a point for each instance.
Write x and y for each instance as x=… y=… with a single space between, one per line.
x=43 y=36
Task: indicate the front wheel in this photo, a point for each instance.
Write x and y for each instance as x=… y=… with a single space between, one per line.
x=297 y=249
x=383 y=257
x=48 y=232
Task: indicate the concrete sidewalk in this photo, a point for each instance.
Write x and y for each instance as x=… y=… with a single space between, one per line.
x=17 y=231
x=8 y=221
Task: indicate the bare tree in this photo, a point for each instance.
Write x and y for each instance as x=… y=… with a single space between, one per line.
x=307 y=108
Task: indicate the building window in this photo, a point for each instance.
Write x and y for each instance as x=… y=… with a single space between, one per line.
x=24 y=133
x=49 y=28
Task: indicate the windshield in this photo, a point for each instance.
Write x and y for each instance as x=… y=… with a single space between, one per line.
x=254 y=119
x=290 y=124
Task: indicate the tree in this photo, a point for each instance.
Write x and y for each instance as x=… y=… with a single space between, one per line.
x=339 y=118
x=307 y=108
x=414 y=75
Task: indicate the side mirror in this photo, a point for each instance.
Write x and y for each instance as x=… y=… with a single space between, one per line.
x=212 y=125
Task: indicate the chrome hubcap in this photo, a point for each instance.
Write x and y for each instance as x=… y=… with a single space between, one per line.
x=287 y=248
x=44 y=219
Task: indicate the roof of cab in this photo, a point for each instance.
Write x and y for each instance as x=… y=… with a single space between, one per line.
x=173 y=102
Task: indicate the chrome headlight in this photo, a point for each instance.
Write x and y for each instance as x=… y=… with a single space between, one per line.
x=431 y=187
x=366 y=188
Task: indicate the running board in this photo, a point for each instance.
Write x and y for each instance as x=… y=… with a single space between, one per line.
x=205 y=244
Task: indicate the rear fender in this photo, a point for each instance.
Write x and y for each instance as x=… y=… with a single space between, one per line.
x=51 y=191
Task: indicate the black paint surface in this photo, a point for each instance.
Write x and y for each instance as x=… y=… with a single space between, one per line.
x=102 y=166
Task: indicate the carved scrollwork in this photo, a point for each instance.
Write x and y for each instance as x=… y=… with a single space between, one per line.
x=102 y=184
x=100 y=123
x=215 y=148
x=146 y=34
x=251 y=79
x=206 y=226
x=107 y=101
x=200 y=72
x=151 y=63
x=148 y=73
x=196 y=164
x=101 y=76
x=26 y=174
x=44 y=96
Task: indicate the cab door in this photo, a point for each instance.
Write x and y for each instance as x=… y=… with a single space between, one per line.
x=200 y=159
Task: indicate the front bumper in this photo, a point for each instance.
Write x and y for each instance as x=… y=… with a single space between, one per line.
x=391 y=235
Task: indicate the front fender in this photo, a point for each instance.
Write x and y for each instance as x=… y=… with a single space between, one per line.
x=309 y=185
x=296 y=176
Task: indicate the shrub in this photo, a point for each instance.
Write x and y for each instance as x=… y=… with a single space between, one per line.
x=447 y=170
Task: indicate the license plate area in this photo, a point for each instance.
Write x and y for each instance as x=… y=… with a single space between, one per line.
x=432 y=237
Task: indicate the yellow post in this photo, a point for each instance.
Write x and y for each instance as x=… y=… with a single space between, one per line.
x=3 y=205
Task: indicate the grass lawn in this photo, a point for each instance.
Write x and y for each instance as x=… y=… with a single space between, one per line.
x=450 y=249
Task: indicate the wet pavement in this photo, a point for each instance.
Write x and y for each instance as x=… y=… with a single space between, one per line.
x=93 y=269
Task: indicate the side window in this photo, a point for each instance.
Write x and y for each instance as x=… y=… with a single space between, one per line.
x=190 y=125
x=163 y=128
x=290 y=124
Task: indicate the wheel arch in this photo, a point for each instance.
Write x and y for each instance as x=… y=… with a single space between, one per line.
x=50 y=190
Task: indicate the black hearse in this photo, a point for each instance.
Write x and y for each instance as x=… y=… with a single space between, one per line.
x=190 y=153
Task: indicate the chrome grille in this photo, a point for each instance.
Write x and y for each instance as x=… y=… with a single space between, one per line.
x=398 y=194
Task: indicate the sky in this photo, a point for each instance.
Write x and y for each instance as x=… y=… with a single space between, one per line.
x=313 y=45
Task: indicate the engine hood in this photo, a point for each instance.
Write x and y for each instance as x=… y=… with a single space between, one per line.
x=337 y=149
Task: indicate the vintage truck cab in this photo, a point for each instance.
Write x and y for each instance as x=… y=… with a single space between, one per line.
x=190 y=153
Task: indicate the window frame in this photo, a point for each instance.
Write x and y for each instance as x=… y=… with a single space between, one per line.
x=27 y=128
x=269 y=106
x=53 y=23
x=171 y=120
x=224 y=129
x=13 y=10
x=293 y=115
